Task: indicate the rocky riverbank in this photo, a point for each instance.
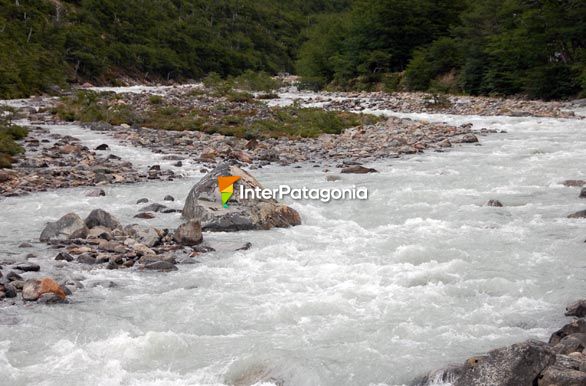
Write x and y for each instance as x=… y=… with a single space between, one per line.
x=559 y=362
x=53 y=161
x=389 y=139
x=417 y=102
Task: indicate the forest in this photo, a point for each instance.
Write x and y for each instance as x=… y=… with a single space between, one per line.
x=534 y=48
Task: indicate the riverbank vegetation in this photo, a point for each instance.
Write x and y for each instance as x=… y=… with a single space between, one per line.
x=9 y=134
x=220 y=114
x=485 y=47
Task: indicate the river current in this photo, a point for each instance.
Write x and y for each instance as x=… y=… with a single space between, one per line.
x=372 y=292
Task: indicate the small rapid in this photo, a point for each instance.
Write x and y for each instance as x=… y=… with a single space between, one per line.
x=369 y=292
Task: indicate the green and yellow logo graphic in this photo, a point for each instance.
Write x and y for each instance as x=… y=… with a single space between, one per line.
x=226 y=185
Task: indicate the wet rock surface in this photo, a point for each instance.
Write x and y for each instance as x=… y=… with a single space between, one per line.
x=560 y=362
x=204 y=205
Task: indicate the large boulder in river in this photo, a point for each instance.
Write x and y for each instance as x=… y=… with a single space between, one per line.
x=70 y=226
x=516 y=365
x=101 y=218
x=204 y=204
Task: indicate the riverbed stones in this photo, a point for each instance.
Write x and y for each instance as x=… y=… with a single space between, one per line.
x=64 y=256
x=70 y=226
x=204 y=205
x=101 y=218
x=188 y=233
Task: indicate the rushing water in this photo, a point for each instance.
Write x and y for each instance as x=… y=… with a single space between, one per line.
x=364 y=292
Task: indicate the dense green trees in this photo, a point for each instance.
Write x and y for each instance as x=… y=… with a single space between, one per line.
x=50 y=42
x=533 y=47
x=503 y=47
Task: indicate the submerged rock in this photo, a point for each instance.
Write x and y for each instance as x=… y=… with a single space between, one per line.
x=70 y=226
x=495 y=203
x=204 y=204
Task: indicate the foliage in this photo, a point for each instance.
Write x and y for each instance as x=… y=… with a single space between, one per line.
x=47 y=43
x=229 y=119
x=9 y=134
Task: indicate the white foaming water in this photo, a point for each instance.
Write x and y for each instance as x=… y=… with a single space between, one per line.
x=364 y=292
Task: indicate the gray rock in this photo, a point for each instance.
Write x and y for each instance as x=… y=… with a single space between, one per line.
x=582 y=193
x=144 y=235
x=8 y=289
x=574 y=183
x=495 y=203
x=50 y=298
x=358 y=169
x=99 y=217
x=168 y=198
x=574 y=327
x=145 y=215
x=86 y=258
x=64 y=256
x=142 y=201
x=95 y=193
x=13 y=276
x=571 y=343
x=516 y=365
x=161 y=265
x=577 y=309
x=188 y=233
x=204 y=205
x=25 y=245
x=28 y=267
x=558 y=375
x=103 y=147
x=579 y=214
x=70 y=226
x=153 y=208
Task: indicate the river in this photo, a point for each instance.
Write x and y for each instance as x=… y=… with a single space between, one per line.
x=369 y=292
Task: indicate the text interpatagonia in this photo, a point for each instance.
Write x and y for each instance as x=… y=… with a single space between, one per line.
x=304 y=193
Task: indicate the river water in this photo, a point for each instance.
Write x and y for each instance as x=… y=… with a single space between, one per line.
x=369 y=292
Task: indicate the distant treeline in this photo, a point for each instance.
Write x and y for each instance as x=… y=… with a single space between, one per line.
x=52 y=42
x=491 y=47
x=500 y=47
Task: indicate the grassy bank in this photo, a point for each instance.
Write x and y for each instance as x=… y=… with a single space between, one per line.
x=9 y=134
x=228 y=115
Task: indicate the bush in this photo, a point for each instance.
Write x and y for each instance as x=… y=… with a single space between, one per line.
x=256 y=81
x=155 y=99
x=554 y=81
x=9 y=133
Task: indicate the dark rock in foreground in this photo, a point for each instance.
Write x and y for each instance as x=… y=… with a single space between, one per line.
x=204 y=205
x=495 y=203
